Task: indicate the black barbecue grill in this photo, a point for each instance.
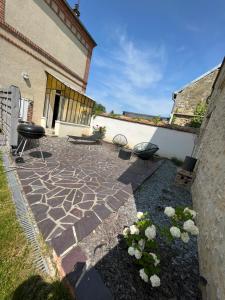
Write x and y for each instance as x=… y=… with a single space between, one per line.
x=29 y=132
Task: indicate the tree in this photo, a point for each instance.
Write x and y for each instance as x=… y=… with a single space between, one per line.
x=98 y=108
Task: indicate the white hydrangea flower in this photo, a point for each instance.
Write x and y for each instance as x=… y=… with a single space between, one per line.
x=175 y=231
x=155 y=280
x=143 y=275
x=137 y=254
x=169 y=211
x=195 y=230
x=157 y=261
x=185 y=237
x=126 y=231
x=131 y=251
x=150 y=232
x=191 y=212
x=134 y=229
x=188 y=225
x=141 y=244
x=140 y=215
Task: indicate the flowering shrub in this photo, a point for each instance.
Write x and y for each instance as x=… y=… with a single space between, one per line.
x=142 y=243
x=100 y=129
x=140 y=238
x=182 y=223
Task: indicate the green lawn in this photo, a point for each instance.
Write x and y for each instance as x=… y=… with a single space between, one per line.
x=18 y=277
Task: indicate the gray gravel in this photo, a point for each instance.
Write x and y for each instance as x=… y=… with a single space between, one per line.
x=107 y=251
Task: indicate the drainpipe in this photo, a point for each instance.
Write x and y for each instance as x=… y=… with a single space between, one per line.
x=174 y=95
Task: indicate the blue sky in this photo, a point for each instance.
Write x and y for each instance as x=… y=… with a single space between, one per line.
x=148 y=49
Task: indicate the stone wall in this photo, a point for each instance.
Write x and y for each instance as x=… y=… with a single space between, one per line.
x=187 y=99
x=209 y=193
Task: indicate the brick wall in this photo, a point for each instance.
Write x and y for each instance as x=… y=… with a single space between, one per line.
x=187 y=99
x=209 y=193
x=30 y=112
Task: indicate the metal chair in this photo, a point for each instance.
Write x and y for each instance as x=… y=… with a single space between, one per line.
x=145 y=150
x=120 y=141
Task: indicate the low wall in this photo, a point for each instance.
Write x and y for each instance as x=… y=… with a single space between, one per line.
x=63 y=129
x=172 y=143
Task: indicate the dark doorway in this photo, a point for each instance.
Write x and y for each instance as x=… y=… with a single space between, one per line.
x=56 y=110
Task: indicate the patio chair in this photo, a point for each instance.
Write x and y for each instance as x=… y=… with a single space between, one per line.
x=145 y=150
x=96 y=137
x=119 y=141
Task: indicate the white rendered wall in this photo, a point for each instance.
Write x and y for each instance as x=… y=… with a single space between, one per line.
x=171 y=143
x=62 y=129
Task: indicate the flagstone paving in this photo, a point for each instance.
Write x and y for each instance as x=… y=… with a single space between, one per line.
x=77 y=187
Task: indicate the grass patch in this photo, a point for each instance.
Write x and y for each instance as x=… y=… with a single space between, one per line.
x=18 y=277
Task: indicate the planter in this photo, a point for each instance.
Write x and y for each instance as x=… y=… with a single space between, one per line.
x=125 y=154
x=189 y=163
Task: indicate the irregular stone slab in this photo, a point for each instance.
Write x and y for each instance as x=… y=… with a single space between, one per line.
x=64 y=192
x=55 y=201
x=27 y=189
x=38 y=182
x=86 y=190
x=46 y=227
x=101 y=211
x=114 y=203
x=86 y=225
x=70 y=261
x=39 y=208
x=27 y=181
x=53 y=192
x=69 y=219
x=122 y=196
x=64 y=241
x=56 y=213
x=77 y=213
x=69 y=185
x=67 y=205
x=49 y=185
x=56 y=232
x=71 y=195
x=25 y=174
x=41 y=191
x=78 y=197
x=86 y=205
x=88 y=197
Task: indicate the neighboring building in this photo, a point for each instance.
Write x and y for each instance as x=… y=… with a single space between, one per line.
x=208 y=192
x=188 y=97
x=143 y=116
x=46 y=51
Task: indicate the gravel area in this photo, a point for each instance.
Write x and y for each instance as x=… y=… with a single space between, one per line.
x=107 y=251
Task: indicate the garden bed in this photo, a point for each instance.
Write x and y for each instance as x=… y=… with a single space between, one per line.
x=107 y=251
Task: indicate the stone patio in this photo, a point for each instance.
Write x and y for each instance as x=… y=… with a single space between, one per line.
x=77 y=187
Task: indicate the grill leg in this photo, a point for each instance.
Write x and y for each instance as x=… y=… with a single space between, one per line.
x=17 y=149
x=21 y=153
x=42 y=156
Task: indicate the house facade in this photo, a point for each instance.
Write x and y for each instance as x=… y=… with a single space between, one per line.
x=46 y=51
x=188 y=97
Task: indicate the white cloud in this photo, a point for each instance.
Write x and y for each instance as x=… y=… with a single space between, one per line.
x=129 y=77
